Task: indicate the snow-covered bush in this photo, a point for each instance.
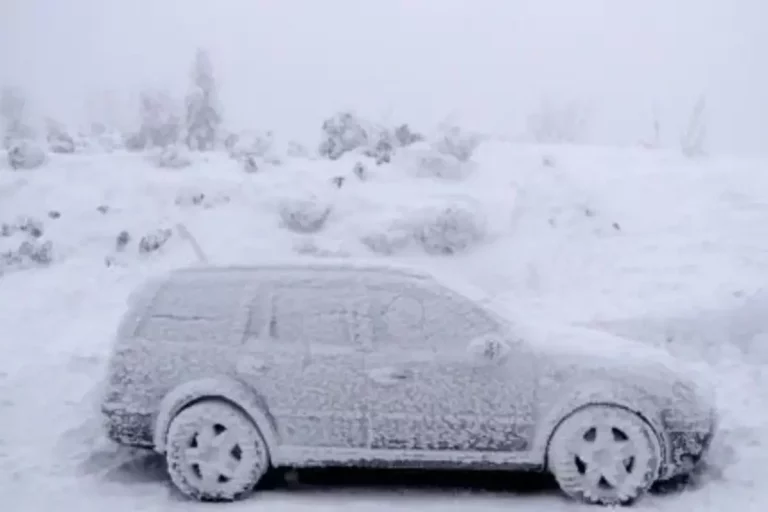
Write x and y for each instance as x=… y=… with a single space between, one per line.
x=342 y=133
x=193 y=197
x=59 y=141
x=122 y=240
x=392 y=239
x=457 y=143
x=360 y=171
x=203 y=112
x=448 y=229
x=171 y=157
x=253 y=150
x=30 y=226
x=405 y=137
x=307 y=215
x=309 y=247
x=29 y=253
x=154 y=240
x=381 y=146
x=442 y=166
x=26 y=155
x=557 y=124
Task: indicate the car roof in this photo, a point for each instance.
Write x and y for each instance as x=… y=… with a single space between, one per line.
x=305 y=265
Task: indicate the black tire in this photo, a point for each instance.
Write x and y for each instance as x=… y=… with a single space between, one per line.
x=215 y=452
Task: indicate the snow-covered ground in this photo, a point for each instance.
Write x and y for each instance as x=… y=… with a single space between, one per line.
x=646 y=244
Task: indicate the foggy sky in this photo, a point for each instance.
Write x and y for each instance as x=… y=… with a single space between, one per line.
x=285 y=64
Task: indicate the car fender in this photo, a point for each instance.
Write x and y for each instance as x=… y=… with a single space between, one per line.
x=224 y=388
x=610 y=393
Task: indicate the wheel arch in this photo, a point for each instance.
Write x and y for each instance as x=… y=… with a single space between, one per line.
x=222 y=388
x=620 y=397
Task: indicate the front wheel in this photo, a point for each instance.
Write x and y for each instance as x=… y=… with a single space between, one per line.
x=604 y=455
x=215 y=452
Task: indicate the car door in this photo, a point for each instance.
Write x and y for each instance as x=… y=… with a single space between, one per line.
x=427 y=392
x=312 y=374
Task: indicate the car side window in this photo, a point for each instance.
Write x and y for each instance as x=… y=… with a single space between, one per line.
x=194 y=311
x=455 y=320
x=415 y=318
x=311 y=314
x=398 y=319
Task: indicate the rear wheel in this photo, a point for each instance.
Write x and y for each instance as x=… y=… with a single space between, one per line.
x=604 y=455
x=215 y=452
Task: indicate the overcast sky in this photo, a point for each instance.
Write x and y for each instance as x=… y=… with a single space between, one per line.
x=284 y=64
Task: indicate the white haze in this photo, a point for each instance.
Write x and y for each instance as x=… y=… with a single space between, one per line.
x=487 y=64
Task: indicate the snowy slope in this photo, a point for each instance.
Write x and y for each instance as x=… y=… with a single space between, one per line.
x=646 y=244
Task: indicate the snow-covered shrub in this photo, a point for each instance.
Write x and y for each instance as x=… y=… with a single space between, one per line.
x=29 y=253
x=693 y=140
x=557 y=124
x=252 y=150
x=26 y=155
x=304 y=215
x=31 y=226
x=309 y=247
x=203 y=112
x=442 y=166
x=457 y=143
x=171 y=157
x=252 y=143
x=381 y=147
x=342 y=133
x=193 y=197
x=405 y=137
x=360 y=171
x=392 y=239
x=154 y=240
x=37 y=252
x=122 y=240
x=448 y=229
x=59 y=141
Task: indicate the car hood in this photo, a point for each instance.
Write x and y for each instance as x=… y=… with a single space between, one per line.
x=570 y=350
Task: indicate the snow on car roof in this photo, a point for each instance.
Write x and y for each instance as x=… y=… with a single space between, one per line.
x=300 y=264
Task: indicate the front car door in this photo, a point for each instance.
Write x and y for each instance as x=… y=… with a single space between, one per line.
x=426 y=391
x=313 y=373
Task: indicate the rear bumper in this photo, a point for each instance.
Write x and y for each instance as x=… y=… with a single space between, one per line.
x=129 y=428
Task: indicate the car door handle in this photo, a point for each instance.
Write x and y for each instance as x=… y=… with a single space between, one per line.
x=390 y=375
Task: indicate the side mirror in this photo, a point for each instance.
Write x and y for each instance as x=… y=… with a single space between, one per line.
x=489 y=350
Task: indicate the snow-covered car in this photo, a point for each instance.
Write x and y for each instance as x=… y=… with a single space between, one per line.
x=232 y=371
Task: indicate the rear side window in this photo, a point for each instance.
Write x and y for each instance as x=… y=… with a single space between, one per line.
x=200 y=310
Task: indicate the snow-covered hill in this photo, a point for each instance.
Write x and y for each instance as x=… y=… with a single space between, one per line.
x=647 y=244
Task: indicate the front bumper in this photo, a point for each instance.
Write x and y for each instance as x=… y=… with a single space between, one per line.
x=688 y=447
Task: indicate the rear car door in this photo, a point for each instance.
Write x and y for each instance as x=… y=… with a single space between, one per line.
x=308 y=362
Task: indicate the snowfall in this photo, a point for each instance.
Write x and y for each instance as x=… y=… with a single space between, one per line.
x=649 y=244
